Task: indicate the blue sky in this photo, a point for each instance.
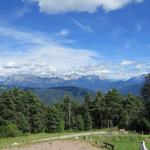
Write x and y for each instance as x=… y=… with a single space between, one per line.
x=109 y=38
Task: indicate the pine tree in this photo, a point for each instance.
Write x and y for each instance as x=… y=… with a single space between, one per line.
x=79 y=123
x=88 y=123
x=35 y=112
x=54 y=120
x=132 y=109
x=67 y=110
x=21 y=109
x=145 y=92
x=113 y=107
x=99 y=107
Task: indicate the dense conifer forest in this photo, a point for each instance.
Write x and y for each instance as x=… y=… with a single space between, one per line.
x=23 y=112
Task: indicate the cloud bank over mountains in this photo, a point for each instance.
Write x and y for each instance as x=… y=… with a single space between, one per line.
x=40 y=54
x=74 y=44
x=90 y=6
x=43 y=56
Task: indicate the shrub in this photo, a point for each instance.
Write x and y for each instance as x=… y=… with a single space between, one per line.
x=9 y=130
x=61 y=126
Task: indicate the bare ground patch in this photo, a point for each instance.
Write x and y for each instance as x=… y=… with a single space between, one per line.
x=58 y=145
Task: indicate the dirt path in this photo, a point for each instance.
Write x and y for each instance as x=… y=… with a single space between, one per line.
x=58 y=145
x=47 y=144
x=72 y=136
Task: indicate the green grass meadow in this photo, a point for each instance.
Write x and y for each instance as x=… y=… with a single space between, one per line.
x=121 y=142
x=29 y=138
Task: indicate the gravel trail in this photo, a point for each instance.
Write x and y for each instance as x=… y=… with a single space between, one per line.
x=58 y=145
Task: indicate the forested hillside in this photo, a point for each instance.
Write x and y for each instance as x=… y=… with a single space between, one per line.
x=23 y=112
x=56 y=94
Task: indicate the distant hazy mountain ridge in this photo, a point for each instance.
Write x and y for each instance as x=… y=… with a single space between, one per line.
x=95 y=83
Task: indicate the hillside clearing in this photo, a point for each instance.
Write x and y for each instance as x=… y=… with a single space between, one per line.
x=42 y=137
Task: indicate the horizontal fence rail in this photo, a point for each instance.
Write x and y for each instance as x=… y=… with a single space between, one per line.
x=112 y=146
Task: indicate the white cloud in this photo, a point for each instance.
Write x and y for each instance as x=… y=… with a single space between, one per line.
x=83 y=27
x=91 y=6
x=140 y=66
x=40 y=49
x=127 y=62
x=45 y=57
x=63 y=33
x=25 y=37
x=10 y=65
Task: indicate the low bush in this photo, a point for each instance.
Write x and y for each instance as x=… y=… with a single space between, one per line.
x=9 y=130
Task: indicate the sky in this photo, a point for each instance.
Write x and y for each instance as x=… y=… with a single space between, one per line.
x=107 y=38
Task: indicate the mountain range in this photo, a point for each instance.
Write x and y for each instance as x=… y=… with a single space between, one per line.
x=52 y=89
x=92 y=82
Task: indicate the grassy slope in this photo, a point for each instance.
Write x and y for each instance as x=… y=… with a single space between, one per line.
x=29 y=138
x=122 y=142
x=26 y=139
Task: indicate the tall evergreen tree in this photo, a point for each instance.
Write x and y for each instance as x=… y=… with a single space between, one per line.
x=36 y=113
x=113 y=107
x=67 y=110
x=145 y=92
x=79 y=122
x=88 y=123
x=87 y=109
x=54 y=121
x=99 y=107
x=132 y=108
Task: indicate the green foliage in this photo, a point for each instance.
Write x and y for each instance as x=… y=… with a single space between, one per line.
x=9 y=130
x=79 y=123
x=22 y=122
x=128 y=141
x=22 y=111
x=113 y=106
x=61 y=126
x=140 y=124
x=54 y=120
x=99 y=107
x=67 y=111
x=36 y=114
x=132 y=108
x=88 y=123
x=145 y=92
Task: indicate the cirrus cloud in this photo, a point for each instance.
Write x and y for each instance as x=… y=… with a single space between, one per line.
x=38 y=53
x=127 y=62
